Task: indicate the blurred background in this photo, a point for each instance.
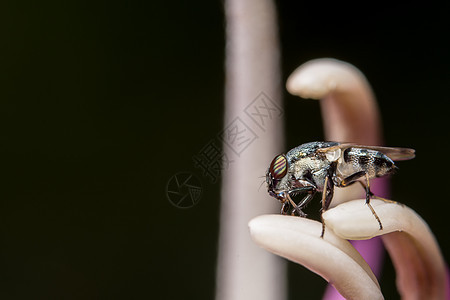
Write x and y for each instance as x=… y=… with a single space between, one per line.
x=103 y=102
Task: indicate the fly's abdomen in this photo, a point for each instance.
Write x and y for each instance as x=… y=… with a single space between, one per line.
x=373 y=162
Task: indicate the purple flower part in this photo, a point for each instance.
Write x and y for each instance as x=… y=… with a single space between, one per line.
x=373 y=253
x=332 y=294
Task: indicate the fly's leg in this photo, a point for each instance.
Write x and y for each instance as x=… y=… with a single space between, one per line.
x=296 y=208
x=304 y=202
x=324 y=195
x=285 y=208
x=372 y=195
x=368 y=195
x=327 y=195
x=352 y=179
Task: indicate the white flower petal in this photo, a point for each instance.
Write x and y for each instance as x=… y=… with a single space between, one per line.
x=413 y=249
x=298 y=239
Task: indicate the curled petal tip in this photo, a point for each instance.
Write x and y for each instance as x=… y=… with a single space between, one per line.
x=347 y=102
x=317 y=78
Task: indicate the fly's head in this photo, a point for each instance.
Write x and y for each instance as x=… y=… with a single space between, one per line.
x=276 y=177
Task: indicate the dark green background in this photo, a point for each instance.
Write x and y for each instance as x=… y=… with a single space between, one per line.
x=102 y=102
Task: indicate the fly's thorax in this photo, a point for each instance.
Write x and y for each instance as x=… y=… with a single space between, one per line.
x=312 y=170
x=374 y=163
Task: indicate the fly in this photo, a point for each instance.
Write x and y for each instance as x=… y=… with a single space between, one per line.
x=321 y=166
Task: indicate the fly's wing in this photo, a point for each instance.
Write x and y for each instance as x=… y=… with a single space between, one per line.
x=394 y=153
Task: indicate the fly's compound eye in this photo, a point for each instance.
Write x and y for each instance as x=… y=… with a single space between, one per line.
x=278 y=167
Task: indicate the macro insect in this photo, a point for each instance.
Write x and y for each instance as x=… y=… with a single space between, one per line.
x=321 y=166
